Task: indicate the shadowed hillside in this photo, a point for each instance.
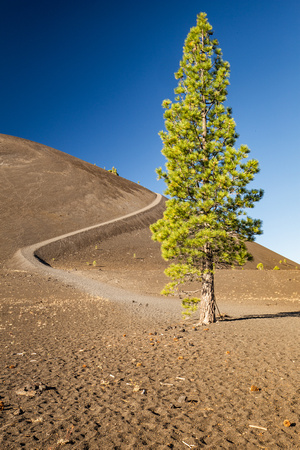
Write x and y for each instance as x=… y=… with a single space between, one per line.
x=45 y=193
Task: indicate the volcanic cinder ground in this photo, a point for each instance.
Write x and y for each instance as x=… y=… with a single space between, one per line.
x=92 y=357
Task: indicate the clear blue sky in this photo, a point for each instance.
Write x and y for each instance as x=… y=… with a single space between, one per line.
x=88 y=78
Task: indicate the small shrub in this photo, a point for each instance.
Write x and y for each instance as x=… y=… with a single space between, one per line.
x=114 y=171
x=94 y=263
x=276 y=268
x=284 y=261
x=260 y=266
x=280 y=262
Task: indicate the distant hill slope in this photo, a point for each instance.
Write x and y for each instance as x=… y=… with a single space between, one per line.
x=268 y=258
x=45 y=193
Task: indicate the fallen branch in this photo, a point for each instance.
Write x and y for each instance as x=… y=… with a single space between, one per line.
x=188 y=445
x=260 y=428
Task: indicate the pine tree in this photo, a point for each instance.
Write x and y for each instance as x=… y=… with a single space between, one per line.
x=205 y=223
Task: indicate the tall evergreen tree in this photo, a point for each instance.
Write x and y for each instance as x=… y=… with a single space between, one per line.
x=205 y=222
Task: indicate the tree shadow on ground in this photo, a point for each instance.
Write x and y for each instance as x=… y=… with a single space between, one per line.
x=262 y=316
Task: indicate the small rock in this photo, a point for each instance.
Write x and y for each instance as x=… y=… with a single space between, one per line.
x=30 y=390
x=26 y=392
x=38 y=420
x=63 y=441
x=42 y=387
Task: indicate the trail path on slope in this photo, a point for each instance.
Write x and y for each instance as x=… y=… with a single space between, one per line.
x=26 y=259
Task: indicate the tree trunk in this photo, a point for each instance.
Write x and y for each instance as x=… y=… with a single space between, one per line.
x=208 y=304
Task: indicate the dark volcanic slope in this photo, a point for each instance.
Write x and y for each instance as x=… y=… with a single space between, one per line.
x=45 y=193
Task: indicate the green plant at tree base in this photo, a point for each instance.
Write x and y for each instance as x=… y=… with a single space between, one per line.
x=276 y=268
x=260 y=266
x=205 y=220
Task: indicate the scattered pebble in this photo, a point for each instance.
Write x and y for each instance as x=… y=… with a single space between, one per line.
x=63 y=441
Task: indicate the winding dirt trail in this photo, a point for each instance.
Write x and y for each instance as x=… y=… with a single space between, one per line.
x=29 y=259
x=27 y=256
